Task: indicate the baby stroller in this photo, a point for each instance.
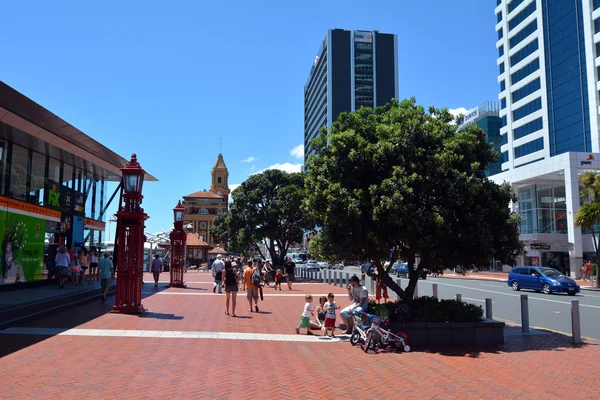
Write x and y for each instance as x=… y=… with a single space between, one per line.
x=362 y=322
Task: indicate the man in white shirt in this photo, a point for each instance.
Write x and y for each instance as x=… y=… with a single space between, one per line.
x=360 y=301
x=217 y=270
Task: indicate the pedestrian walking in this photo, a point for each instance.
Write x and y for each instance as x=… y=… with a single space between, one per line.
x=93 y=274
x=75 y=268
x=250 y=274
x=217 y=269
x=230 y=278
x=278 y=277
x=588 y=271
x=290 y=271
x=308 y=311
x=106 y=271
x=157 y=266
x=63 y=261
x=84 y=262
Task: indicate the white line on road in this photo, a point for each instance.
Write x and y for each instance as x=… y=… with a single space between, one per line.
x=243 y=294
x=169 y=334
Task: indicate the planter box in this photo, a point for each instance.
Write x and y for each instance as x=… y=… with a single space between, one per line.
x=486 y=332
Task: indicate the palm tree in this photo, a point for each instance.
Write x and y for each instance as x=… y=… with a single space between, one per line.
x=588 y=216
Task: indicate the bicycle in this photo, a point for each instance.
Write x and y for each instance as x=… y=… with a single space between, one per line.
x=269 y=279
x=399 y=340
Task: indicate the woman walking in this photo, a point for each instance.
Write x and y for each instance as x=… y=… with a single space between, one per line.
x=93 y=266
x=84 y=262
x=63 y=261
x=230 y=279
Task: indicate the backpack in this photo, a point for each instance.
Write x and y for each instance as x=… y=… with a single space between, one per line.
x=256 y=277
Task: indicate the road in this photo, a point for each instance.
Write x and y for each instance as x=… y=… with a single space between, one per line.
x=546 y=311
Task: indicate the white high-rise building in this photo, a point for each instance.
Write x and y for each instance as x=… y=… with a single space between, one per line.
x=549 y=94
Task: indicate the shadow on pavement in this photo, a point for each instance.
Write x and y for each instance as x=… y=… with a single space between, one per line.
x=150 y=314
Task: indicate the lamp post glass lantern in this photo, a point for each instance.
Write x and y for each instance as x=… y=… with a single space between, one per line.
x=178 y=238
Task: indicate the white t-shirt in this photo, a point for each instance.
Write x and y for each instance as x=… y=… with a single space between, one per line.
x=62 y=260
x=330 y=307
x=360 y=292
x=307 y=310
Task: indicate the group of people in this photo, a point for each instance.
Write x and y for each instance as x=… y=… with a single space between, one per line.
x=326 y=310
x=74 y=265
x=586 y=272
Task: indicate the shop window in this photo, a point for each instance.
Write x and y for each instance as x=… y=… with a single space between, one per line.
x=38 y=173
x=2 y=166
x=19 y=170
x=67 y=178
x=54 y=169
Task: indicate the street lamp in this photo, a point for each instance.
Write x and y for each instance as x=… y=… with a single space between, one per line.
x=129 y=241
x=178 y=238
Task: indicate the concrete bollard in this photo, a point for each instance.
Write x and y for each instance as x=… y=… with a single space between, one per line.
x=323 y=277
x=488 y=309
x=524 y=313
x=335 y=278
x=458 y=297
x=372 y=285
x=575 y=322
x=347 y=279
x=434 y=288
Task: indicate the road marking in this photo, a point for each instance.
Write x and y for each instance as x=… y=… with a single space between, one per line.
x=243 y=294
x=169 y=334
x=494 y=286
x=518 y=295
x=479 y=300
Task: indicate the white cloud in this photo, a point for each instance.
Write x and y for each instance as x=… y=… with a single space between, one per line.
x=234 y=186
x=249 y=159
x=298 y=151
x=287 y=167
x=457 y=111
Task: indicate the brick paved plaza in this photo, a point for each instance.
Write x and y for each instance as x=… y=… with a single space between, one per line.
x=185 y=347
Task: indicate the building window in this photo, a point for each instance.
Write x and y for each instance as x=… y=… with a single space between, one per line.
x=219 y=180
x=3 y=171
x=505 y=139
x=503 y=121
x=528 y=128
x=500 y=33
x=364 y=78
x=363 y=46
x=524 y=52
x=502 y=103
x=597 y=25
x=529 y=147
x=527 y=109
x=525 y=71
x=363 y=56
x=67 y=178
x=364 y=99
x=499 y=16
x=501 y=51
x=364 y=88
x=502 y=85
x=523 y=34
x=520 y=17
x=203 y=211
x=364 y=67
x=19 y=170
x=38 y=172
x=514 y=4
x=526 y=90
x=501 y=68
x=504 y=157
x=54 y=170
x=498 y=2
x=596 y=4
x=202 y=225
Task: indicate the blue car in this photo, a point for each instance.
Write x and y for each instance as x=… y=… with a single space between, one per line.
x=541 y=279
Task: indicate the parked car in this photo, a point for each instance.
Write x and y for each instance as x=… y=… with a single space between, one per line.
x=312 y=264
x=541 y=279
x=322 y=264
x=298 y=260
x=401 y=270
x=367 y=268
x=336 y=266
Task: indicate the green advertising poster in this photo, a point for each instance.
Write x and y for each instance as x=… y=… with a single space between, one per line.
x=21 y=247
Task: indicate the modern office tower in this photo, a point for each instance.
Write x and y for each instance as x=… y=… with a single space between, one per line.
x=548 y=76
x=486 y=116
x=351 y=69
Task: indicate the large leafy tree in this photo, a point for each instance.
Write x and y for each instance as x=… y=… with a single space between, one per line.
x=266 y=208
x=402 y=182
x=588 y=215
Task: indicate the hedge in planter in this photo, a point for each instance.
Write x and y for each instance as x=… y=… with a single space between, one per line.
x=430 y=309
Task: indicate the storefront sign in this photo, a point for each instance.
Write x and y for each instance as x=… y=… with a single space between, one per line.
x=470 y=116
x=21 y=247
x=540 y=247
x=63 y=198
x=365 y=37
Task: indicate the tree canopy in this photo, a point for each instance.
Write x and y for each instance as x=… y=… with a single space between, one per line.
x=266 y=207
x=588 y=215
x=400 y=182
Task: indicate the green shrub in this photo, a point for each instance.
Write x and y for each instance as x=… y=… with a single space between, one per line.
x=430 y=309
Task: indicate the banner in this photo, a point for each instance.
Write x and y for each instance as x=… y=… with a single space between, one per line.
x=21 y=247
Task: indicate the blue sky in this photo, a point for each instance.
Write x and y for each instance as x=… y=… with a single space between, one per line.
x=166 y=79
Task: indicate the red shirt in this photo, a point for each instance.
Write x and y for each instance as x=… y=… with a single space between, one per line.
x=278 y=276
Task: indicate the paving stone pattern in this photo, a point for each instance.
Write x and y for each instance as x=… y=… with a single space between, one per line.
x=146 y=367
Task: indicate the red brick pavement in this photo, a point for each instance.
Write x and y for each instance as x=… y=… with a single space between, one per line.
x=75 y=367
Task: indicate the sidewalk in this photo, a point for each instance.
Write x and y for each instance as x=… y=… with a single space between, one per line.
x=185 y=346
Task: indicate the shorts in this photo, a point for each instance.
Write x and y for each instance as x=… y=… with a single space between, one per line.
x=329 y=322
x=75 y=270
x=93 y=265
x=84 y=267
x=231 y=288
x=252 y=293
x=346 y=311
x=290 y=277
x=304 y=322
x=105 y=283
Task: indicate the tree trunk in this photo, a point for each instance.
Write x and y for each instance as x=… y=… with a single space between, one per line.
x=406 y=295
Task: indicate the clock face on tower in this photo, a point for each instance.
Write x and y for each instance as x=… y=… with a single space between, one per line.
x=219 y=192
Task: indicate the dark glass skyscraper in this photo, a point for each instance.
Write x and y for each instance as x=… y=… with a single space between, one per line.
x=352 y=69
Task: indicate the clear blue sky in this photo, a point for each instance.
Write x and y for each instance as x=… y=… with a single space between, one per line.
x=166 y=79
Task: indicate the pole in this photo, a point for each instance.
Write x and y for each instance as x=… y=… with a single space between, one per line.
x=575 y=322
x=458 y=297
x=524 y=313
x=488 y=309
x=435 y=290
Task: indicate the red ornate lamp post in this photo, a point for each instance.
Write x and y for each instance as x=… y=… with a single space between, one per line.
x=130 y=241
x=177 y=237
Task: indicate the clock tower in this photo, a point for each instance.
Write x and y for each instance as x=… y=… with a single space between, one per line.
x=220 y=178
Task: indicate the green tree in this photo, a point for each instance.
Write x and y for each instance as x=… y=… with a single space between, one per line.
x=320 y=249
x=400 y=182
x=267 y=207
x=588 y=216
